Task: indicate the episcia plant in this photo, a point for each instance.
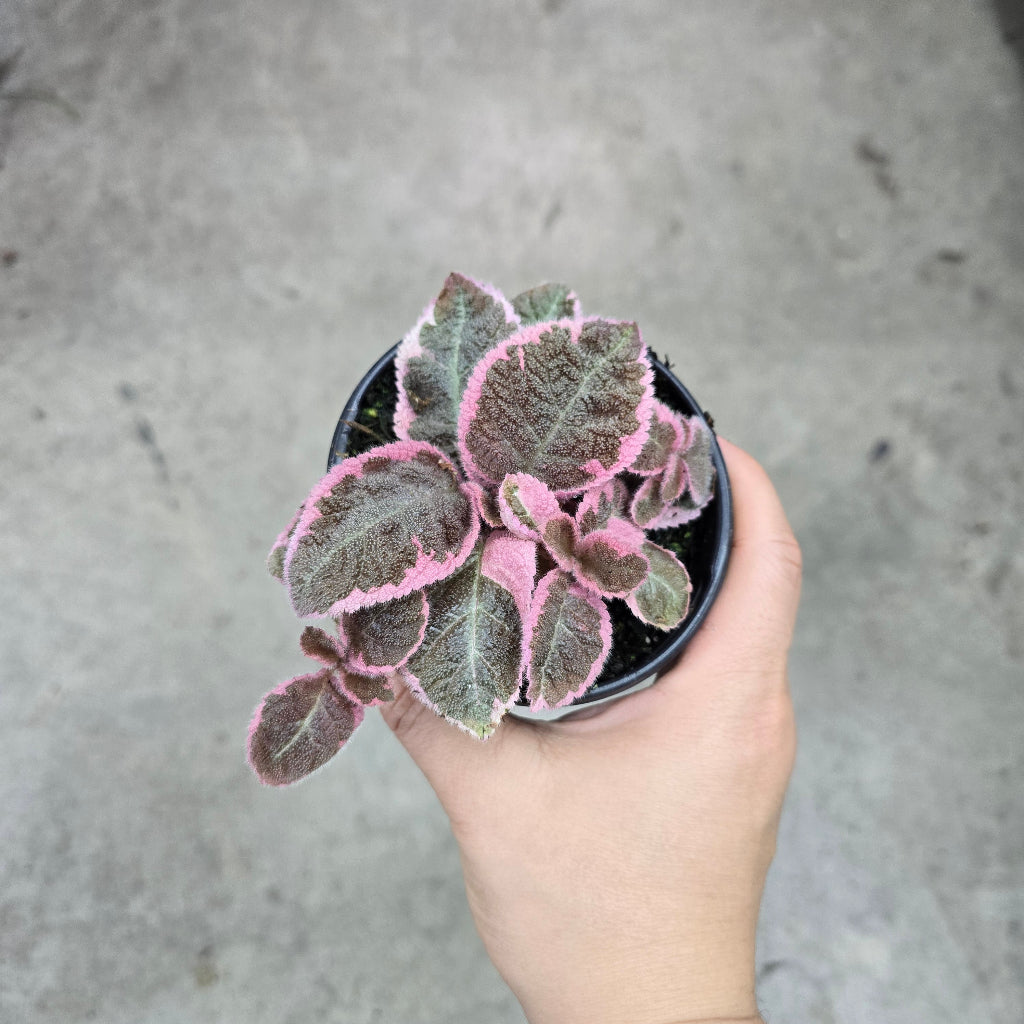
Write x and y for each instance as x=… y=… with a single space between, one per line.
x=475 y=556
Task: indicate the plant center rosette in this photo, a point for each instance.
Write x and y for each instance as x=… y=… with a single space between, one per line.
x=475 y=555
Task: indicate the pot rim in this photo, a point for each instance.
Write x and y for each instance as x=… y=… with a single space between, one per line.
x=669 y=654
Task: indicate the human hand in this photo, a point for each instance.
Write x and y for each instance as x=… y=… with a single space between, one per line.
x=615 y=860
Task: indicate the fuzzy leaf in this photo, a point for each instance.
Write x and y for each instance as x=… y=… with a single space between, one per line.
x=546 y=302
x=599 y=504
x=377 y=527
x=700 y=467
x=610 y=561
x=675 y=479
x=381 y=637
x=299 y=727
x=526 y=505
x=567 y=402
x=319 y=645
x=666 y=438
x=367 y=690
x=647 y=503
x=435 y=359
x=275 y=560
x=512 y=563
x=485 y=502
x=570 y=634
x=470 y=662
x=663 y=599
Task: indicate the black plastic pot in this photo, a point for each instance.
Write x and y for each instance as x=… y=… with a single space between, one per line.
x=706 y=560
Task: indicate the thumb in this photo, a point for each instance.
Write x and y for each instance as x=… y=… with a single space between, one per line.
x=450 y=759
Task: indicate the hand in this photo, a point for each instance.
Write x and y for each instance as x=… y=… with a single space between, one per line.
x=614 y=861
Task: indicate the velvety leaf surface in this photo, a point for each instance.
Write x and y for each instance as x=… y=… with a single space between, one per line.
x=381 y=637
x=546 y=302
x=378 y=527
x=485 y=500
x=435 y=359
x=275 y=560
x=663 y=599
x=647 y=503
x=666 y=438
x=511 y=562
x=319 y=645
x=367 y=690
x=299 y=727
x=568 y=402
x=569 y=634
x=700 y=466
x=611 y=560
x=526 y=505
x=599 y=504
x=469 y=664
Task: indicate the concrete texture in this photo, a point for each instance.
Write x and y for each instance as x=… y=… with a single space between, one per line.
x=213 y=216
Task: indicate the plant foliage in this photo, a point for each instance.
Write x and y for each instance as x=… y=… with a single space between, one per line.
x=475 y=556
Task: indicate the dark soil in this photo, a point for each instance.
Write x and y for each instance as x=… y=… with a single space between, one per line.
x=633 y=642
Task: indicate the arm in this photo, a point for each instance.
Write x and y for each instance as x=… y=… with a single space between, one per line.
x=614 y=861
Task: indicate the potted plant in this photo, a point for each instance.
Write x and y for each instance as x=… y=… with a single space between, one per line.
x=521 y=506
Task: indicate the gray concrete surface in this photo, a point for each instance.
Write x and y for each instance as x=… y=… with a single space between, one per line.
x=214 y=215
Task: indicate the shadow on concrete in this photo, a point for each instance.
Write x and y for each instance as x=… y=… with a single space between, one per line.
x=1011 y=19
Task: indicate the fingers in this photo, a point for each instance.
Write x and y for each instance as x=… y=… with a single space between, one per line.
x=755 y=613
x=444 y=753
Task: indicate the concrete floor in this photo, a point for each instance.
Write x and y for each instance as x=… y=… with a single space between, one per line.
x=214 y=215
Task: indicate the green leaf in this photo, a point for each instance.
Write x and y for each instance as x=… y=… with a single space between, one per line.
x=546 y=302
x=469 y=664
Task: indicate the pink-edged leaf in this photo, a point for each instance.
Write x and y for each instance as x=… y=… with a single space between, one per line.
x=569 y=632
x=377 y=527
x=648 y=503
x=663 y=599
x=275 y=560
x=611 y=561
x=675 y=479
x=599 y=504
x=700 y=466
x=366 y=690
x=526 y=505
x=319 y=645
x=470 y=662
x=511 y=562
x=668 y=434
x=381 y=637
x=682 y=512
x=546 y=302
x=485 y=501
x=568 y=402
x=299 y=727
x=435 y=359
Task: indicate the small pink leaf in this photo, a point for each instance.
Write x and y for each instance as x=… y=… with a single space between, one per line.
x=666 y=438
x=610 y=561
x=319 y=645
x=675 y=515
x=381 y=637
x=377 y=527
x=546 y=302
x=299 y=727
x=675 y=478
x=570 y=635
x=663 y=599
x=435 y=359
x=526 y=505
x=366 y=690
x=599 y=504
x=275 y=560
x=568 y=402
x=511 y=563
x=469 y=664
